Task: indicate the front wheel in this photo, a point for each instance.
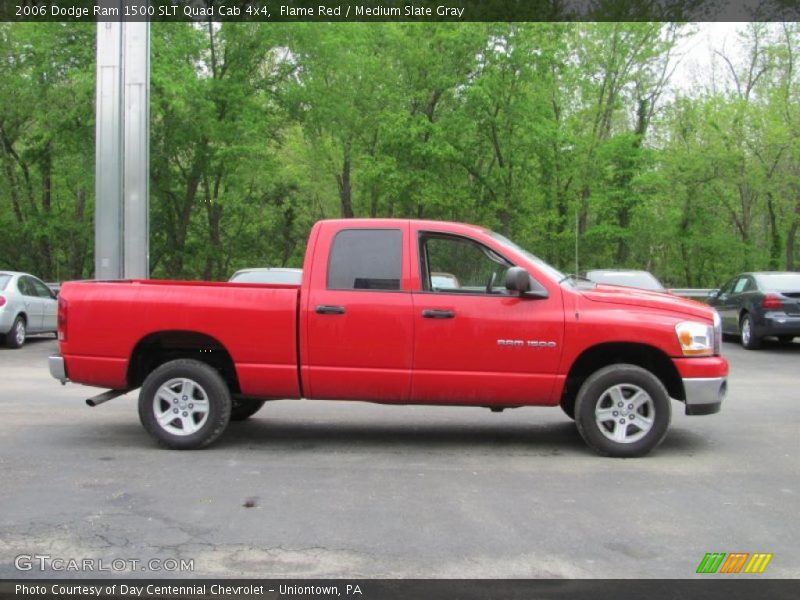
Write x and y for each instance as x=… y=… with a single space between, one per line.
x=750 y=340
x=623 y=411
x=184 y=404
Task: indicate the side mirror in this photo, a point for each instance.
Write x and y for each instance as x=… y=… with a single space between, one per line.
x=519 y=280
x=714 y=294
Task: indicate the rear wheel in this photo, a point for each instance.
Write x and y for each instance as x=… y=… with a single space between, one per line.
x=568 y=406
x=750 y=340
x=623 y=411
x=185 y=404
x=243 y=409
x=15 y=338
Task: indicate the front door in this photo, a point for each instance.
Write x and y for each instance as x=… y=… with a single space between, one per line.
x=475 y=342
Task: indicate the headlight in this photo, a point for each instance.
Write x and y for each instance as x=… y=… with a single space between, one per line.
x=696 y=339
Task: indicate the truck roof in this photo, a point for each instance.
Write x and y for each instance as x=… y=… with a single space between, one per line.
x=365 y=222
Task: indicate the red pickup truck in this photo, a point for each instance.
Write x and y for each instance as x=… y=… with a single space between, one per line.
x=404 y=312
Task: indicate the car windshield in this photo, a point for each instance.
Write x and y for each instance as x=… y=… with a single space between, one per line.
x=779 y=282
x=4 y=279
x=637 y=279
x=507 y=243
x=275 y=277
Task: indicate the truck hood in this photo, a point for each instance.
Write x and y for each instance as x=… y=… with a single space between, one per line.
x=614 y=294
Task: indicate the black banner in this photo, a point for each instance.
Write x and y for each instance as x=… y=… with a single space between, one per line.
x=711 y=588
x=399 y=10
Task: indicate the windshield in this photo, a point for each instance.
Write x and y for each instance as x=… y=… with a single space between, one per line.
x=779 y=282
x=4 y=279
x=550 y=270
x=637 y=279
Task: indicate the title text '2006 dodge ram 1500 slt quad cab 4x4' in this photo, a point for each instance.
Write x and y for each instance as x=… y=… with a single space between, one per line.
x=397 y=311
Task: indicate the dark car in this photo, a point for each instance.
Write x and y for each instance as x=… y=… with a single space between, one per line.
x=626 y=277
x=758 y=305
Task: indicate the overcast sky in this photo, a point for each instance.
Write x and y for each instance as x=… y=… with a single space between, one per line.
x=696 y=53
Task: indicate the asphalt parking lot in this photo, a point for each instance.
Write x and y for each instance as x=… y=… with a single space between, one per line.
x=317 y=489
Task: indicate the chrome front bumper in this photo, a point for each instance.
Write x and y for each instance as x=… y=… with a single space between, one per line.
x=704 y=396
x=57 y=367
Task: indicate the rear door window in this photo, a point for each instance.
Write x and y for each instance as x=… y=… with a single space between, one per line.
x=740 y=285
x=366 y=259
x=25 y=285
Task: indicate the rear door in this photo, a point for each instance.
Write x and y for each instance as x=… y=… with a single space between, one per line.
x=49 y=305
x=476 y=343
x=34 y=305
x=359 y=328
x=726 y=305
x=742 y=292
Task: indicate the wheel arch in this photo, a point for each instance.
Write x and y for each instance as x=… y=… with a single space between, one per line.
x=603 y=355
x=160 y=347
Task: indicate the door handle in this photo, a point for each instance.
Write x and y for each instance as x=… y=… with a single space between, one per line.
x=327 y=309
x=436 y=313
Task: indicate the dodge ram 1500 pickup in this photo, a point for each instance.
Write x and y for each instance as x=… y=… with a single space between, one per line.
x=397 y=312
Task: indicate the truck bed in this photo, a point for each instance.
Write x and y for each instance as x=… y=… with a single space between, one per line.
x=256 y=323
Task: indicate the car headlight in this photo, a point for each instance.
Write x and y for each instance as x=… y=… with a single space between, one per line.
x=696 y=339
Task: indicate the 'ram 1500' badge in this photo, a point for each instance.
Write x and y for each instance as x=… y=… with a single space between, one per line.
x=528 y=343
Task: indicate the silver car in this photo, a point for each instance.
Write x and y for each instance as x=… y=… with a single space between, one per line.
x=273 y=275
x=27 y=306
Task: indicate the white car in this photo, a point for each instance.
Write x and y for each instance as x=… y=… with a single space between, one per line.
x=27 y=306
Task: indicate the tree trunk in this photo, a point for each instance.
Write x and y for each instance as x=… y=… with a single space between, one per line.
x=791 y=237
x=345 y=188
x=45 y=258
x=774 y=235
x=77 y=258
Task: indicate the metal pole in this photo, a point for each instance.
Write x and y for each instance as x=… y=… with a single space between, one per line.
x=122 y=156
x=108 y=153
x=136 y=149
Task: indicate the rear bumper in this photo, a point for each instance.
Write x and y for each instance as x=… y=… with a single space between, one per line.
x=704 y=395
x=57 y=367
x=778 y=323
x=6 y=320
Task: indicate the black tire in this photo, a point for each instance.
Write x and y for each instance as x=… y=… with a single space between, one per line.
x=597 y=390
x=16 y=336
x=243 y=409
x=207 y=388
x=568 y=406
x=785 y=339
x=747 y=333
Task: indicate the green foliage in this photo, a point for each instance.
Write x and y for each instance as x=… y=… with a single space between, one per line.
x=542 y=131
